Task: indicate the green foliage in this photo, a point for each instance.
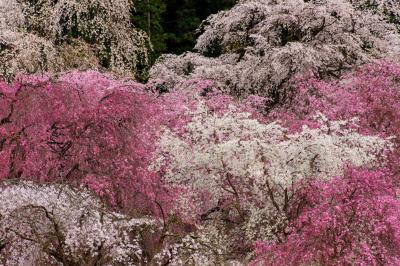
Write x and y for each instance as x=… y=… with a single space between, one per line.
x=171 y=24
x=182 y=18
x=147 y=16
x=180 y=22
x=206 y=7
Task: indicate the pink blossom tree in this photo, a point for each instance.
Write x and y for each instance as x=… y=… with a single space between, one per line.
x=83 y=128
x=350 y=220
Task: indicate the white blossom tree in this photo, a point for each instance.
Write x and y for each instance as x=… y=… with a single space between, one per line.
x=54 y=36
x=259 y=45
x=59 y=225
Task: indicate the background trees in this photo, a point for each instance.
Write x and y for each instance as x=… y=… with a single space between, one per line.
x=148 y=16
x=182 y=19
x=42 y=36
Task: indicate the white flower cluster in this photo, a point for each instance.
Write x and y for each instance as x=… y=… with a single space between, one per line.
x=259 y=45
x=209 y=246
x=62 y=35
x=234 y=143
x=390 y=9
x=57 y=224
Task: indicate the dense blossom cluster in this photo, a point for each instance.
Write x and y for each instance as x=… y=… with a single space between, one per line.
x=351 y=218
x=40 y=36
x=371 y=95
x=272 y=144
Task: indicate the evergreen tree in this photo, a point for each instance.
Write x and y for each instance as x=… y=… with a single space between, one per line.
x=147 y=16
x=182 y=18
x=171 y=24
